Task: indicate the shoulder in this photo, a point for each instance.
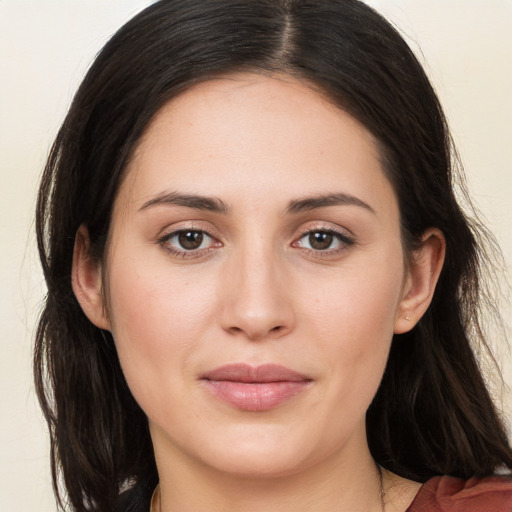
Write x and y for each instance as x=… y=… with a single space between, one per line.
x=449 y=494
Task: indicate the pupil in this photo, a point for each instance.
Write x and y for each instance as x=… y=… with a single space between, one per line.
x=320 y=240
x=190 y=239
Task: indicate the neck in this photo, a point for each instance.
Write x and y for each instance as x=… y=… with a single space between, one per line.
x=348 y=483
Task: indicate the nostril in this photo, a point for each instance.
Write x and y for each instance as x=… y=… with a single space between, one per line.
x=255 y=333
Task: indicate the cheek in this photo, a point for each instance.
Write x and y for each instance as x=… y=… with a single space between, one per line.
x=157 y=317
x=358 y=304
x=351 y=322
x=352 y=317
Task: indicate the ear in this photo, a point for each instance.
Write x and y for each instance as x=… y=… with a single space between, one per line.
x=421 y=279
x=86 y=281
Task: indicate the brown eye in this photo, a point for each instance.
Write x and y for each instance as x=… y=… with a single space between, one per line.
x=190 y=240
x=188 y=243
x=320 y=240
x=324 y=240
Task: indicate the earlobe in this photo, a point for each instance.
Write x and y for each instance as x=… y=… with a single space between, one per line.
x=423 y=273
x=86 y=278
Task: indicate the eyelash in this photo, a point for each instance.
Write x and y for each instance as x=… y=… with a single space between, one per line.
x=345 y=242
x=164 y=241
x=343 y=239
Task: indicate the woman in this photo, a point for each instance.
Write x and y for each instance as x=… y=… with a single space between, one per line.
x=262 y=293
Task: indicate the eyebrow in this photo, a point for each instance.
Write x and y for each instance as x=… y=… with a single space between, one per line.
x=217 y=205
x=196 y=202
x=324 y=200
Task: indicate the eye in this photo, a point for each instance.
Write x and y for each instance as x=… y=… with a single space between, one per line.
x=324 y=240
x=187 y=240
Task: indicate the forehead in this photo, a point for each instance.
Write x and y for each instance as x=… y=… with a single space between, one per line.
x=249 y=133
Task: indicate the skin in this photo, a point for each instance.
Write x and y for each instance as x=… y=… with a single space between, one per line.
x=256 y=291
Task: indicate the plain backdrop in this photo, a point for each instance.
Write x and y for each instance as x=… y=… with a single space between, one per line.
x=45 y=48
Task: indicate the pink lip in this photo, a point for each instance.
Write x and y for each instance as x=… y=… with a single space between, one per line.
x=254 y=388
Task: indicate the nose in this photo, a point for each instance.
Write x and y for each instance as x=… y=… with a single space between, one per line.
x=256 y=296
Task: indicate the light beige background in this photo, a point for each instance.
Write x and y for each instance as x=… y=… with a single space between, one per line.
x=45 y=48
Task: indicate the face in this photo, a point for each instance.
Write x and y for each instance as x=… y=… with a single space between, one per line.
x=255 y=277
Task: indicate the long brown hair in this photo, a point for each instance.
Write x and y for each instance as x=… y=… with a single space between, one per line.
x=432 y=413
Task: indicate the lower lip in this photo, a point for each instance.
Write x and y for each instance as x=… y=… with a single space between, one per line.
x=254 y=396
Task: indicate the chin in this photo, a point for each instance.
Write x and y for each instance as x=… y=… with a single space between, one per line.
x=263 y=452
x=260 y=464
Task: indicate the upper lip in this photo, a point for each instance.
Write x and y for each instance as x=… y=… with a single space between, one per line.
x=242 y=372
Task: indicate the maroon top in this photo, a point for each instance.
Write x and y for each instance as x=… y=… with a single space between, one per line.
x=439 y=494
x=449 y=494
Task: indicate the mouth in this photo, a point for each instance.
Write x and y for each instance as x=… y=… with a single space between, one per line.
x=254 y=388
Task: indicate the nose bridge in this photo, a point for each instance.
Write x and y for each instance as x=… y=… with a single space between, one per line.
x=256 y=302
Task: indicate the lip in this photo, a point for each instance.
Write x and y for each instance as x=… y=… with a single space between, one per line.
x=254 y=388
